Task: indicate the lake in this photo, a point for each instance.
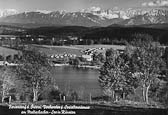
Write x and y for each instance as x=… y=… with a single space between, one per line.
x=84 y=81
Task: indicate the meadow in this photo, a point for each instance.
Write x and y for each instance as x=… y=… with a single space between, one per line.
x=73 y=49
x=7 y=51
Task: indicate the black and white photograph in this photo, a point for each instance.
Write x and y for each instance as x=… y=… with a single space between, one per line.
x=83 y=57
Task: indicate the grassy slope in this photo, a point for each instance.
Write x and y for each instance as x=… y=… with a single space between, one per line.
x=7 y=51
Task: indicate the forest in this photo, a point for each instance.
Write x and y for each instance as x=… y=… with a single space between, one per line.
x=118 y=35
x=114 y=34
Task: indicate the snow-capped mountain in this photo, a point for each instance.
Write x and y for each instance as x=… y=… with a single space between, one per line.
x=109 y=13
x=8 y=12
x=94 y=16
x=61 y=18
x=153 y=16
x=116 y=12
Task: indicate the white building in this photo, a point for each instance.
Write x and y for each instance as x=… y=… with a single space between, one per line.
x=87 y=57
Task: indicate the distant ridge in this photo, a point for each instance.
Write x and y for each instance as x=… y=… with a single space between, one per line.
x=91 y=17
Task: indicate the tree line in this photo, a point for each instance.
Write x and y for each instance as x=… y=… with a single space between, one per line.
x=99 y=35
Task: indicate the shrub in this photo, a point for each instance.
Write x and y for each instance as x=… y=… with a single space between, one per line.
x=50 y=93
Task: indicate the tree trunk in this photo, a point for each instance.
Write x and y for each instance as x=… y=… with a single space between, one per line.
x=116 y=97
x=3 y=94
x=35 y=95
x=143 y=93
x=113 y=93
x=146 y=95
x=123 y=96
x=90 y=97
x=2 y=99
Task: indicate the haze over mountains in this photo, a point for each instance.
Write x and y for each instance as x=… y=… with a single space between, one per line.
x=94 y=16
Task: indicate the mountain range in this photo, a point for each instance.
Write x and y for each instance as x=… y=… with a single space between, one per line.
x=94 y=16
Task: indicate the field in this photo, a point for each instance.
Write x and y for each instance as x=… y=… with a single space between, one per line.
x=100 y=46
x=7 y=51
x=74 y=49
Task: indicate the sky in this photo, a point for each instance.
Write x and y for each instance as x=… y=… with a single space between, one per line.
x=76 y=5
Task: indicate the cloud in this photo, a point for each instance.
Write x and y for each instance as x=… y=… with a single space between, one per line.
x=156 y=3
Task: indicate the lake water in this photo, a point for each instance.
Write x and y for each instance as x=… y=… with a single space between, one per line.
x=84 y=81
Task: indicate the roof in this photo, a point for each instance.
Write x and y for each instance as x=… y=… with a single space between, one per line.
x=86 y=56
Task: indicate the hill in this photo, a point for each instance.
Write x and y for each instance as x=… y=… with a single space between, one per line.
x=105 y=35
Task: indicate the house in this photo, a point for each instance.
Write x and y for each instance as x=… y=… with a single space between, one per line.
x=87 y=57
x=72 y=38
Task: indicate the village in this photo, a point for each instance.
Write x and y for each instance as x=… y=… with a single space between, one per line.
x=65 y=56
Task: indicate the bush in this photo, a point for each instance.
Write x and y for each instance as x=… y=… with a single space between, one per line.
x=50 y=93
x=74 y=96
x=135 y=97
x=102 y=98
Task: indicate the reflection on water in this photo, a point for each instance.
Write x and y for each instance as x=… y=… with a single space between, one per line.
x=81 y=80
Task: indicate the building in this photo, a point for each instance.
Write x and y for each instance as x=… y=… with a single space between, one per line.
x=87 y=57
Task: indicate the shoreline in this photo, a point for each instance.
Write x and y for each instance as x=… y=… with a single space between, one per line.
x=77 y=66
x=88 y=66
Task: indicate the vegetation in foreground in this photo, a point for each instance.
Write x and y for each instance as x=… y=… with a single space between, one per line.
x=142 y=67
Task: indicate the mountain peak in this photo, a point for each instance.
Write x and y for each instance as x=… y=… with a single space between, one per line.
x=91 y=9
x=7 y=12
x=95 y=9
x=44 y=11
